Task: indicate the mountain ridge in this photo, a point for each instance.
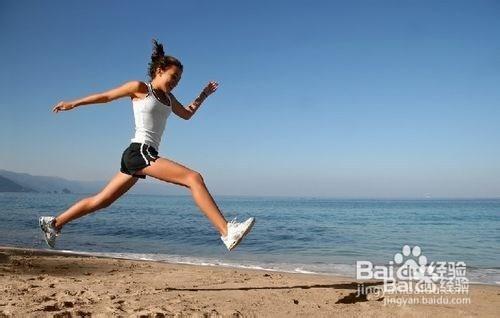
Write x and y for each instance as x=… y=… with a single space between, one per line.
x=15 y=181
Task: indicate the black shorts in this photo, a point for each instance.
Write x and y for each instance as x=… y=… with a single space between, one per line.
x=136 y=157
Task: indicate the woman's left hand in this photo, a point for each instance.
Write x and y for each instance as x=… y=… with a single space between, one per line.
x=210 y=88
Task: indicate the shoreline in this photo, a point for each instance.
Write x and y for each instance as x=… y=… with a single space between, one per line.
x=45 y=282
x=111 y=255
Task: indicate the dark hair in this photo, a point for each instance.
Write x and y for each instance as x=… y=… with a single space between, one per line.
x=159 y=59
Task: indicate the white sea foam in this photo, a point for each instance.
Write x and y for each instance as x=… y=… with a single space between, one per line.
x=326 y=269
x=475 y=275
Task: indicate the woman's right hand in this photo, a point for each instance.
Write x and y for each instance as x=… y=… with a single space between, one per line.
x=63 y=106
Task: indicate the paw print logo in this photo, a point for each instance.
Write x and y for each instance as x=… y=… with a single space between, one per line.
x=412 y=263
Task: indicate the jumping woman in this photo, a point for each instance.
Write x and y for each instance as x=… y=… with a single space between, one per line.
x=152 y=103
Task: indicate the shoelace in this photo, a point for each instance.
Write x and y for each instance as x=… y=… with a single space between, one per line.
x=54 y=230
x=233 y=221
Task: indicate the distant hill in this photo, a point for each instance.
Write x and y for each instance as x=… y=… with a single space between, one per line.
x=48 y=184
x=7 y=185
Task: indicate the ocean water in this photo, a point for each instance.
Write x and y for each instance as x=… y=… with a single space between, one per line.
x=308 y=235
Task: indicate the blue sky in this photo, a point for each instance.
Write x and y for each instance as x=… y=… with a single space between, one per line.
x=328 y=98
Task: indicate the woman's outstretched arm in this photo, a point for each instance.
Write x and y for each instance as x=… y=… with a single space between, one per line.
x=188 y=112
x=127 y=89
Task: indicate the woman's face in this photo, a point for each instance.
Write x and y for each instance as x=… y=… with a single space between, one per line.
x=168 y=78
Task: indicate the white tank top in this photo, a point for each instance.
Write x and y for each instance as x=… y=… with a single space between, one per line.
x=150 y=116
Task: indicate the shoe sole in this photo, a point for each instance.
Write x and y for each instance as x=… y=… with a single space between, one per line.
x=241 y=238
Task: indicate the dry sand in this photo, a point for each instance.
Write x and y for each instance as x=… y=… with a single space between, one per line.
x=42 y=283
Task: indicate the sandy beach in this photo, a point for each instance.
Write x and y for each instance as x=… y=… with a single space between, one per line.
x=55 y=284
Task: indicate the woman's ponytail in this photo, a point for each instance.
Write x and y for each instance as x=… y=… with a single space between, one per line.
x=158 y=51
x=159 y=59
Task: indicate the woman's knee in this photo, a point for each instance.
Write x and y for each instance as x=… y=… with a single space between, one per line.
x=194 y=178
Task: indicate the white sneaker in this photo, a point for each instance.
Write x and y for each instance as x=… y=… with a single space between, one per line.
x=49 y=230
x=236 y=231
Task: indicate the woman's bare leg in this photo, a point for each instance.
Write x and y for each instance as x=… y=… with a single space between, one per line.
x=170 y=171
x=120 y=184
